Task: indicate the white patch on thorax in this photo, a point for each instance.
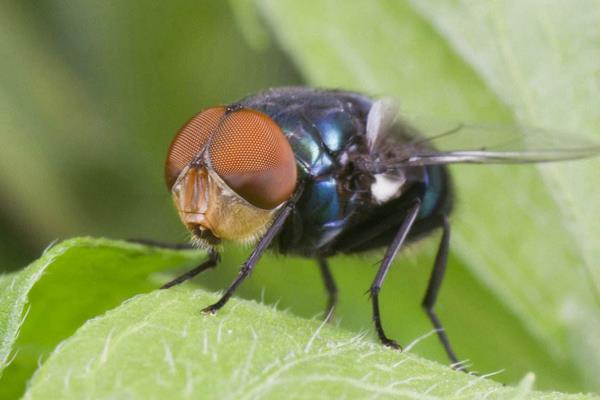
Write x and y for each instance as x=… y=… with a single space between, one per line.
x=386 y=187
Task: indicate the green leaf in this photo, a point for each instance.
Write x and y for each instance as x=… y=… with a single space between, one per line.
x=60 y=281
x=159 y=345
x=526 y=233
x=79 y=279
x=474 y=318
x=71 y=283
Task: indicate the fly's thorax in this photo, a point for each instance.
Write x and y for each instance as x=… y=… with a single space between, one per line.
x=212 y=211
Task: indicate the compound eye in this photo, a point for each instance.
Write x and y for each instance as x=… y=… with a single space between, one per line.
x=251 y=154
x=190 y=141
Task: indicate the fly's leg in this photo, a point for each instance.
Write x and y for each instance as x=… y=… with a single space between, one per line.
x=332 y=292
x=391 y=252
x=247 y=267
x=163 y=245
x=213 y=260
x=433 y=288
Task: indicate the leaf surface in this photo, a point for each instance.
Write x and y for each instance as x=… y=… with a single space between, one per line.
x=72 y=282
x=160 y=346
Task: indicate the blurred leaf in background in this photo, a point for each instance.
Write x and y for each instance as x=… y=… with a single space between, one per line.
x=92 y=92
x=91 y=95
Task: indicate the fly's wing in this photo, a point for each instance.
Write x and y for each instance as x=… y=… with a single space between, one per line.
x=486 y=144
x=426 y=142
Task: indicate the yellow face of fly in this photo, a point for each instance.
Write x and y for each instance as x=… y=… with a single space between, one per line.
x=212 y=211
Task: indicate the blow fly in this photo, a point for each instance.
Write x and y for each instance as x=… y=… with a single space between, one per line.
x=321 y=172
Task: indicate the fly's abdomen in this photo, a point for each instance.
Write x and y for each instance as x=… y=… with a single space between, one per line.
x=437 y=198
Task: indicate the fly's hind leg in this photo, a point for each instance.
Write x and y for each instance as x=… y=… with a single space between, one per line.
x=435 y=282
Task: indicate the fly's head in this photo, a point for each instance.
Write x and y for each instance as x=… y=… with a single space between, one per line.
x=229 y=171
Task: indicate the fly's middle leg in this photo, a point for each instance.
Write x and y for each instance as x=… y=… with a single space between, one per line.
x=391 y=252
x=330 y=287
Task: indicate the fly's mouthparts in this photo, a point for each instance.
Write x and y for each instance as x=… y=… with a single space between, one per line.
x=205 y=234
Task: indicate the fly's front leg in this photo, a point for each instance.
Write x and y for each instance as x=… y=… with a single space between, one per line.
x=213 y=259
x=163 y=245
x=391 y=252
x=250 y=263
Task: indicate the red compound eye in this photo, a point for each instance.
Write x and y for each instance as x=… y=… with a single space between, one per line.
x=251 y=154
x=190 y=141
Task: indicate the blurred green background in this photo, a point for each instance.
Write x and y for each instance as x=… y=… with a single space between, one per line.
x=91 y=94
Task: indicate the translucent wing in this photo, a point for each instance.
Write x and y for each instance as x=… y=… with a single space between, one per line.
x=425 y=142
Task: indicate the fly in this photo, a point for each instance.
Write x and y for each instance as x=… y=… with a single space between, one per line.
x=322 y=172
